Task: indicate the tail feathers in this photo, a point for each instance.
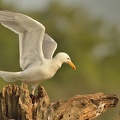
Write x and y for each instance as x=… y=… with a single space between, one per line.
x=9 y=76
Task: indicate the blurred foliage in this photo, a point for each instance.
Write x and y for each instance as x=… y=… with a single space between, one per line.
x=93 y=46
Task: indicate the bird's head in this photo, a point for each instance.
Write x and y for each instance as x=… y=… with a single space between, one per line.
x=64 y=58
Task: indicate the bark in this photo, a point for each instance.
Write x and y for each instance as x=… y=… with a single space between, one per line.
x=17 y=104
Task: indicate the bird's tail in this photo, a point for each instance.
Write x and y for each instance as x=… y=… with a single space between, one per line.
x=9 y=76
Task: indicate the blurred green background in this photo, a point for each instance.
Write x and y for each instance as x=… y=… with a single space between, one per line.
x=91 y=39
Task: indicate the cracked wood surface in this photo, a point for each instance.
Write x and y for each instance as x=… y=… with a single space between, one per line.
x=17 y=104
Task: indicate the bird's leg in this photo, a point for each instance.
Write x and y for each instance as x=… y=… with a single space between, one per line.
x=33 y=97
x=33 y=91
x=34 y=87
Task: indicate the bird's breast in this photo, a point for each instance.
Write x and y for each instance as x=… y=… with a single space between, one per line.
x=38 y=74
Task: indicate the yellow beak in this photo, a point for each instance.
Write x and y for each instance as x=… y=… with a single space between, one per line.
x=72 y=65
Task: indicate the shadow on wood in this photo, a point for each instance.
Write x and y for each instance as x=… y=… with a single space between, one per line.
x=16 y=104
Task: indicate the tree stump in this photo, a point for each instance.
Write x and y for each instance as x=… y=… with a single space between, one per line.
x=16 y=104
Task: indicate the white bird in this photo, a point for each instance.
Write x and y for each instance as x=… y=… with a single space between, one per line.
x=36 y=50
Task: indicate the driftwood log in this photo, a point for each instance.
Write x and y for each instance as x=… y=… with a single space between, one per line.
x=16 y=104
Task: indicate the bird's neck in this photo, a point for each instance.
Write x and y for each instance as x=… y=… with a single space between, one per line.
x=57 y=62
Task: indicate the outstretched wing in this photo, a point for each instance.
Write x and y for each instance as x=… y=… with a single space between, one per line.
x=31 y=35
x=49 y=46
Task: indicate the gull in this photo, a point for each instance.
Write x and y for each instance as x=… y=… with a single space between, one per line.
x=36 y=50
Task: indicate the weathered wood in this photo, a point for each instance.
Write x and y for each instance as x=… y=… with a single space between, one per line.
x=16 y=104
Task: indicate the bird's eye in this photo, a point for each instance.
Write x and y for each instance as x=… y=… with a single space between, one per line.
x=68 y=58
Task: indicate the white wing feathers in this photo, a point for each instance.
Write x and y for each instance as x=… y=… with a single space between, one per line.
x=31 y=35
x=49 y=46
